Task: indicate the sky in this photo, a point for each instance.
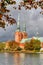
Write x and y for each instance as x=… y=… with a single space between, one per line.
x=32 y=18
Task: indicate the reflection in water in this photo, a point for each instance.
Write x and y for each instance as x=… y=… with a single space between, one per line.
x=21 y=59
x=18 y=59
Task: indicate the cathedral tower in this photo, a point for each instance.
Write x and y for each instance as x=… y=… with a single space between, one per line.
x=24 y=31
x=18 y=24
x=24 y=34
x=18 y=34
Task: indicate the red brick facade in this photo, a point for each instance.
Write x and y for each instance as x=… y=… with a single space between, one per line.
x=20 y=35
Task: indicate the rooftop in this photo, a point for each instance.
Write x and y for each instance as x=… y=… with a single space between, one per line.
x=28 y=39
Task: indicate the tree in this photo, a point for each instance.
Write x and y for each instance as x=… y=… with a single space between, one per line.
x=13 y=45
x=34 y=44
x=3 y=10
x=27 y=46
x=37 y=44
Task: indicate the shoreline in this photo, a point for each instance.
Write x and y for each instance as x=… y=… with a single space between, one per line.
x=28 y=52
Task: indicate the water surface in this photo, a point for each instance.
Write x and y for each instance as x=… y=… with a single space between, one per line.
x=21 y=59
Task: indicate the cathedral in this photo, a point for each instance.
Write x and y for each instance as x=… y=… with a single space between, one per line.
x=19 y=35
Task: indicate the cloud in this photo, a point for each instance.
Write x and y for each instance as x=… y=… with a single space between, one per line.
x=33 y=19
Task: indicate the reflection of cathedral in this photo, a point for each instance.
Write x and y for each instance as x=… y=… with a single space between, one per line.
x=19 y=35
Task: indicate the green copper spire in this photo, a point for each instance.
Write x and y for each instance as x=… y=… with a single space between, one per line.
x=24 y=27
x=18 y=23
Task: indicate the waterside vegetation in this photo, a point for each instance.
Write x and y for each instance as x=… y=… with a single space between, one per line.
x=33 y=46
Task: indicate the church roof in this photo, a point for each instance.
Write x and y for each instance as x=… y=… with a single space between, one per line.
x=25 y=40
x=41 y=39
x=28 y=39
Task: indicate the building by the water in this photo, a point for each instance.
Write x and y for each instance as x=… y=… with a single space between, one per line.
x=19 y=35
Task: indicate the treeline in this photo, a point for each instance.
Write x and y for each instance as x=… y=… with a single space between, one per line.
x=32 y=45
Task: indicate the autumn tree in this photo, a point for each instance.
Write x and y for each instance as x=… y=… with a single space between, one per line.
x=28 y=46
x=34 y=44
x=3 y=10
x=13 y=45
